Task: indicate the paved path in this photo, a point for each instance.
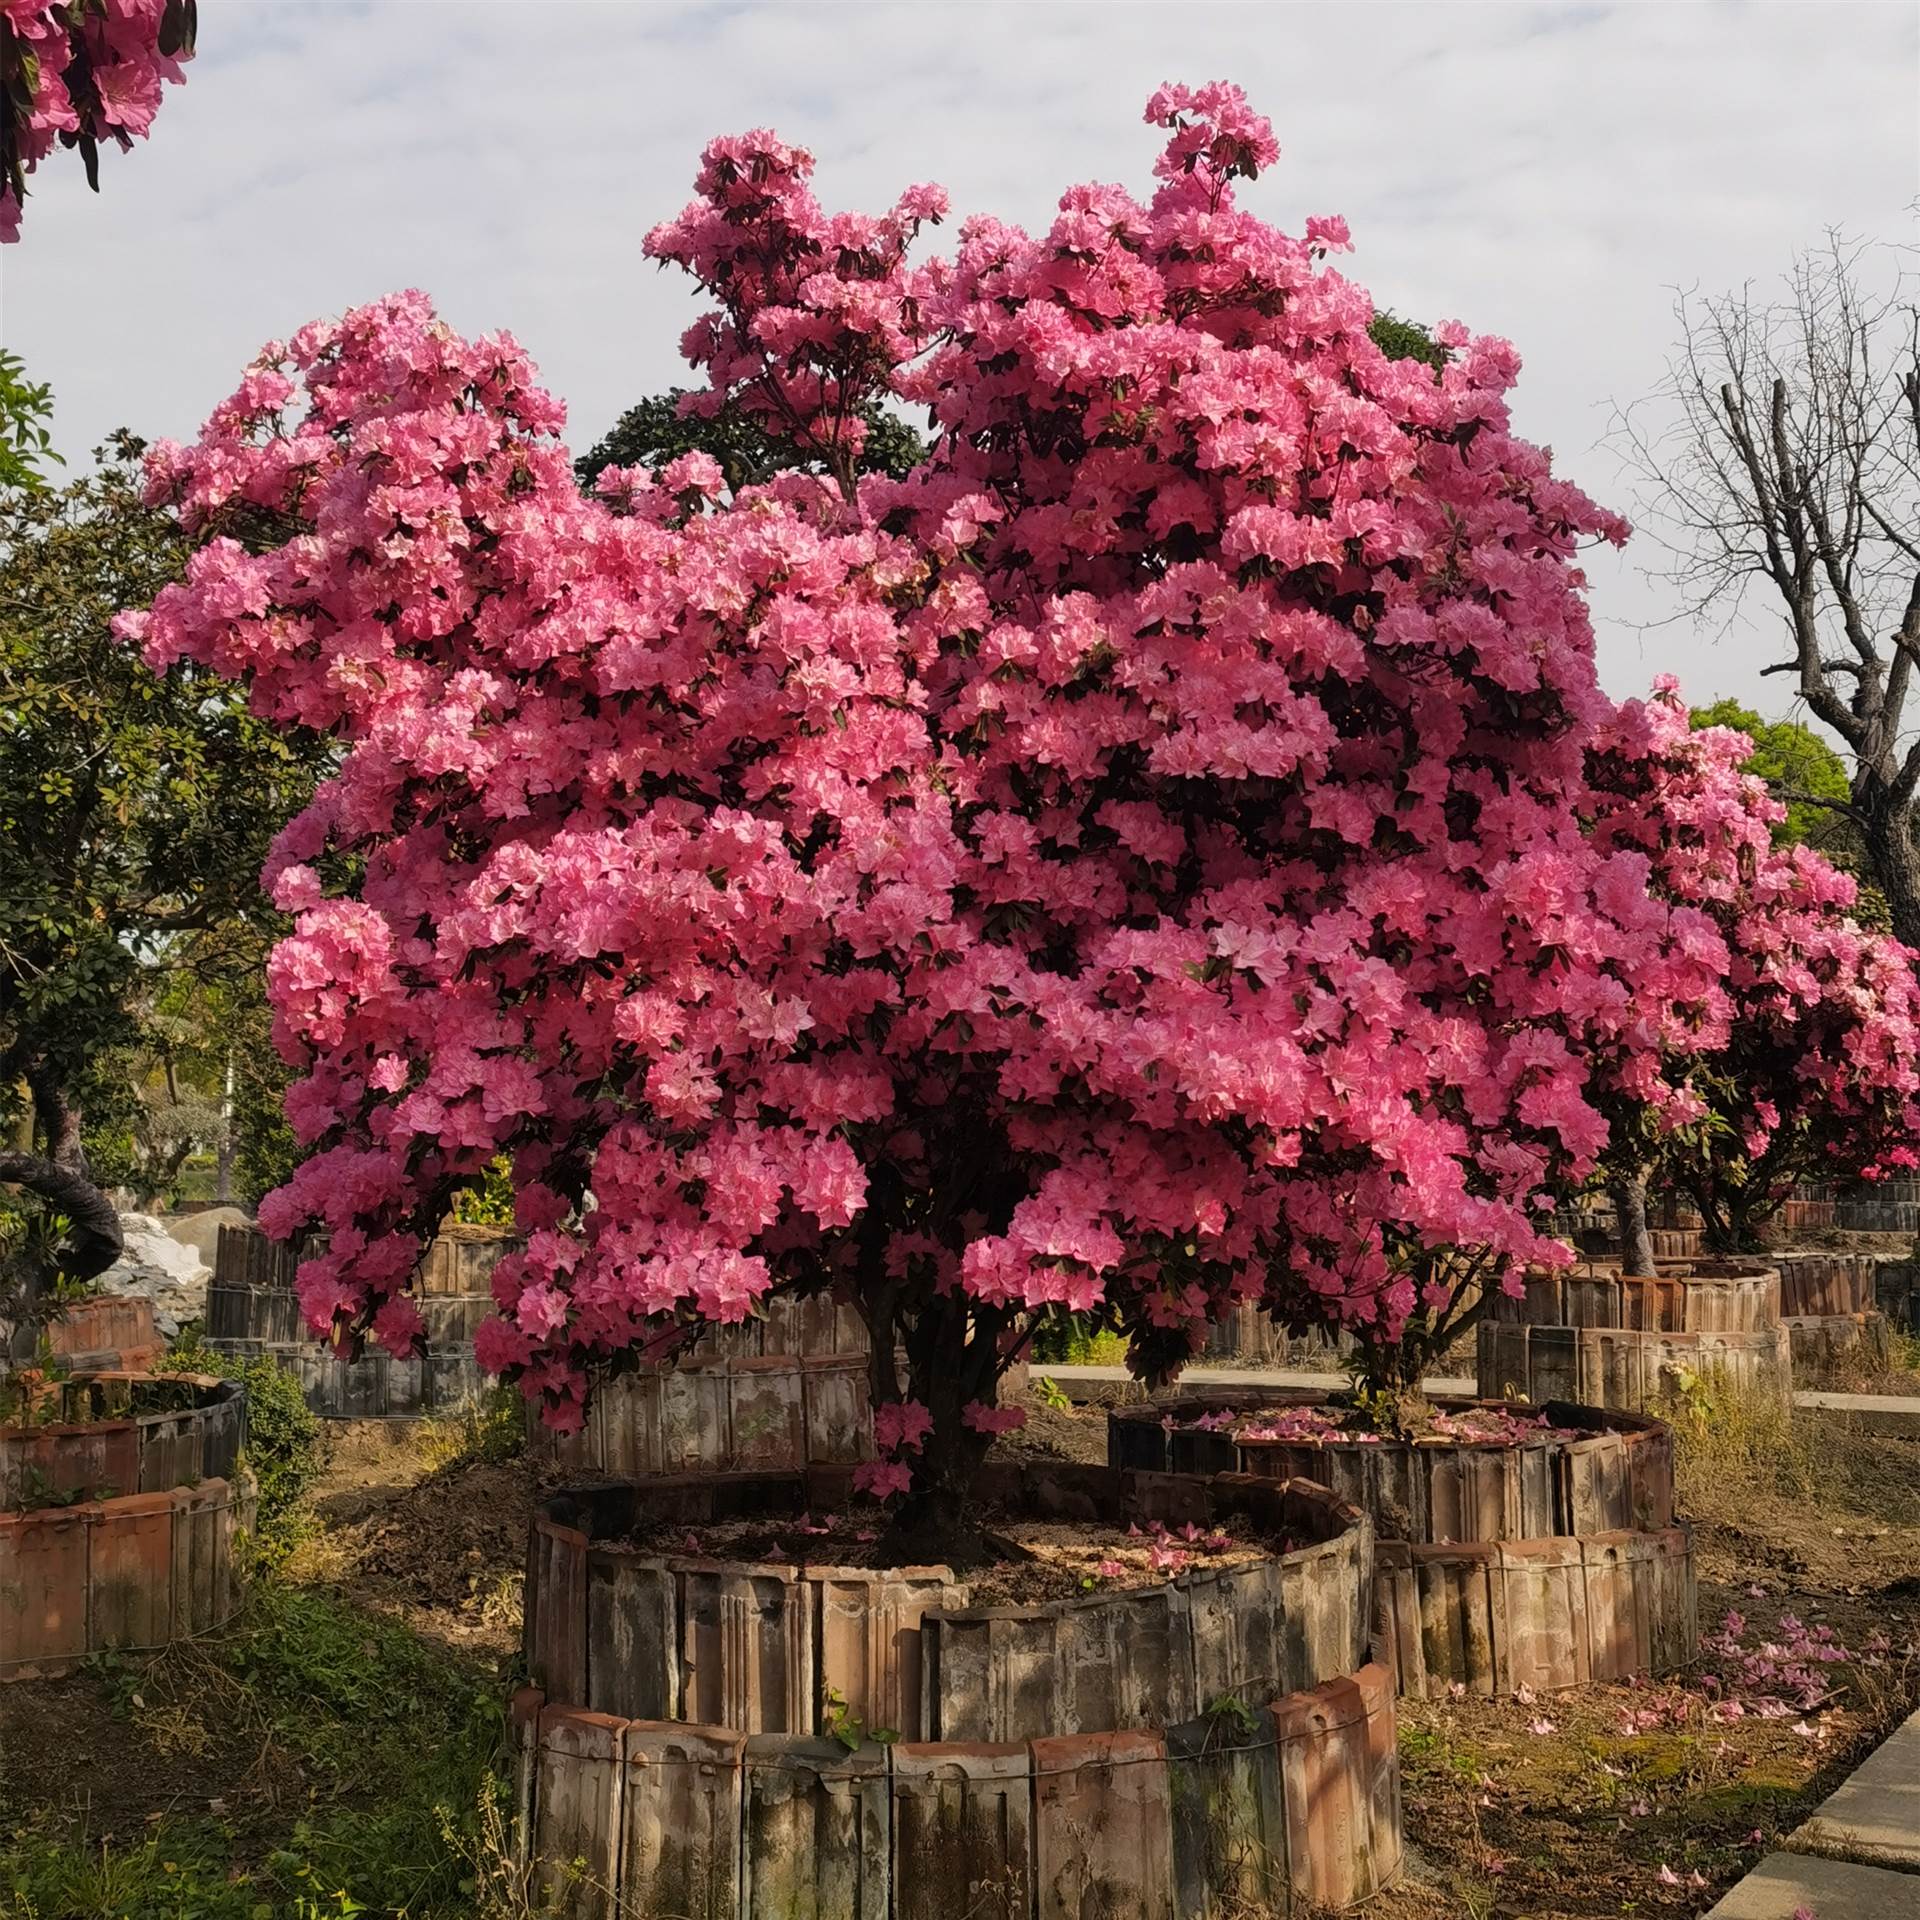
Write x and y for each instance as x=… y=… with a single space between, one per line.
x=1874 y=1814
x=1788 y=1883
x=1879 y=1412
x=1859 y=1855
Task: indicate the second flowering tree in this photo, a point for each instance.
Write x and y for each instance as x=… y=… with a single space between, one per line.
x=1134 y=861
x=1807 y=1064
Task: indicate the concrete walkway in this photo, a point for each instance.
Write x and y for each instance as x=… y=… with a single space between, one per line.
x=1861 y=1858
x=1874 y=1412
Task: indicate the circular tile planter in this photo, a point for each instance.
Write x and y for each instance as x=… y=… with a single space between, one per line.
x=1171 y=1749
x=1551 y=1563
x=1250 y=1336
x=1823 y=1342
x=778 y=1393
x=1598 y=1339
x=1820 y=1284
x=252 y=1310
x=1700 y=1296
x=119 y=1509
x=108 y=1330
x=1892 y=1206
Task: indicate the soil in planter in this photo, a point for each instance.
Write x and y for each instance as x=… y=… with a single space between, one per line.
x=1044 y=1560
x=1474 y=1426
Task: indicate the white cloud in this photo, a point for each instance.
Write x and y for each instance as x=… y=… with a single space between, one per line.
x=1547 y=171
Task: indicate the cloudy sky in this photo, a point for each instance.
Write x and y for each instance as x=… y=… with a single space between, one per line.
x=1551 y=172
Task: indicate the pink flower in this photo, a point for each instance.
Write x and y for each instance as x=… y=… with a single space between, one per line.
x=882 y=1478
x=972 y=891
x=901 y=1426
x=121 y=49
x=985 y=1419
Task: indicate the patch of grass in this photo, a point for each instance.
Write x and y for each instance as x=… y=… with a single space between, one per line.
x=377 y=1752
x=494 y=1429
x=1658 y=1758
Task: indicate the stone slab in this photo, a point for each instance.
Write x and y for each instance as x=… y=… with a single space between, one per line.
x=1832 y=1889
x=1872 y=1412
x=1874 y=1814
x=1883 y=1413
x=1460 y=1384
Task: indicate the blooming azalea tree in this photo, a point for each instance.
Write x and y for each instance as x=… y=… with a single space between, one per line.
x=80 y=72
x=1811 y=1066
x=1131 y=862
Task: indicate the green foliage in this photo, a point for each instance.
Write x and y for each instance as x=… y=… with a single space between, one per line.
x=1405 y=340
x=654 y=432
x=265 y=1151
x=1794 y=761
x=25 y=442
x=135 y=808
x=283 y=1439
x=1077 y=1340
x=491 y=1203
x=1050 y=1393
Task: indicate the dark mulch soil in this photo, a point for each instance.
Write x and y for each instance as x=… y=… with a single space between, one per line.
x=441 y=1547
x=67 y=1759
x=1039 y=1560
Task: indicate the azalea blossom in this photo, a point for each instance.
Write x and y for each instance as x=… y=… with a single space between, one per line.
x=80 y=75
x=1136 y=862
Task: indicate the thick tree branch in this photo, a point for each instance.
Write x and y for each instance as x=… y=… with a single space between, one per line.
x=95 y=1240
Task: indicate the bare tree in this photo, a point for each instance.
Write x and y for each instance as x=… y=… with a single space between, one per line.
x=1792 y=461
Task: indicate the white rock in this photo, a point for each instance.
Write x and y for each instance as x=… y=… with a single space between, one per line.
x=200 y=1232
x=156 y=1265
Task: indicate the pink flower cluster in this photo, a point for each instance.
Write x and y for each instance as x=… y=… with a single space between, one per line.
x=1319 y=1426
x=1807 y=1063
x=1137 y=860
x=80 y=74
x=1781 y=1676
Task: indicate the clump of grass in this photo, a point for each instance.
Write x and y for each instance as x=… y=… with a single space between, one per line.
x=1730 y=1443
x=285 y=1449
x=491 y=1429
x=1737 y=1451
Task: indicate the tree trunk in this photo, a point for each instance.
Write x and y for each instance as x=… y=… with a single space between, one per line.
x=94 y=1239
x=953 y=1363
x=939 y=1521
x=1887 y=829
x=1750 y=1215
x=1636 y=1243
x=223 y=1157
x=60 y=1177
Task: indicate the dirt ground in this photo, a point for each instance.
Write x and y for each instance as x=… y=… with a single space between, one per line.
x=438 y=1544
x=1605 y=1802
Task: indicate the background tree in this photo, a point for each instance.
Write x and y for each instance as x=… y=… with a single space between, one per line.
x=1794 y=466
x=135 y=811
x=1809 y=1062
x=26 y=444
x=659 y=430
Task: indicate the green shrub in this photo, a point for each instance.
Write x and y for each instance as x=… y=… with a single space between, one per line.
x=283 y=1439
x=1077 y=1340
x=491 y=1203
